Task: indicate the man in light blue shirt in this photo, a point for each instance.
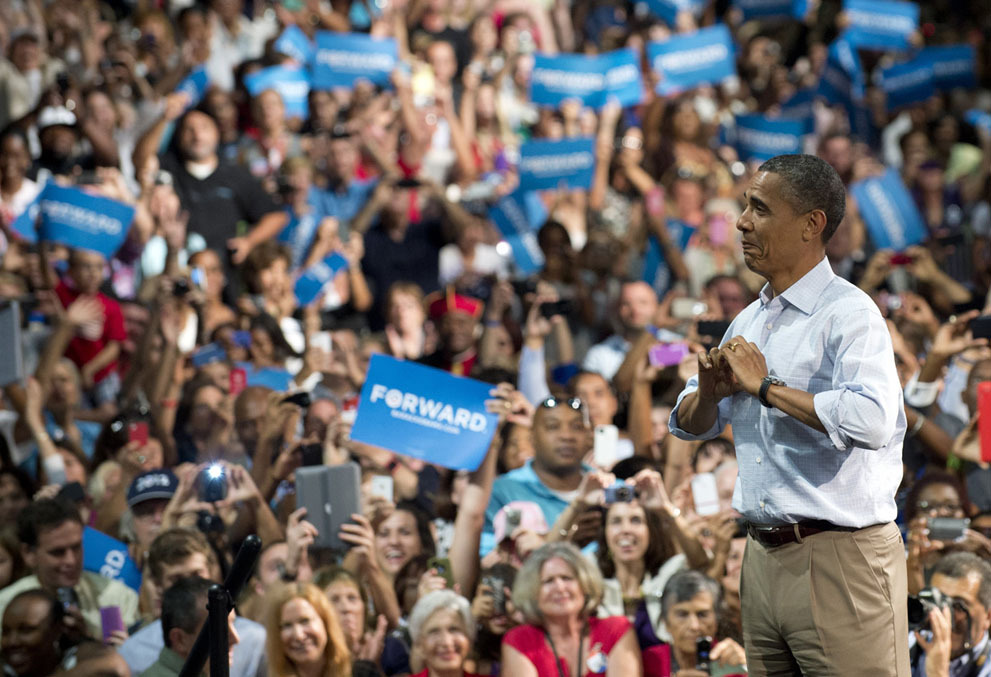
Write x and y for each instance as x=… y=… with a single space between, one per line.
x=808 y=382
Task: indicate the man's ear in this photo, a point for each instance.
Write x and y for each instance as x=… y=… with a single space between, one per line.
x=815 y=224
x=29 y=555
x=179 y=641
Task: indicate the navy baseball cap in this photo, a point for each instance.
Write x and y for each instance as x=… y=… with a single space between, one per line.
x=160 y=483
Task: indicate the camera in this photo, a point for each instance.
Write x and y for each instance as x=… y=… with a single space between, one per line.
x=513 y=519
x=619 y=493
x=498 y=594
x=208 y=523
x=920 y=605
x=213 y=483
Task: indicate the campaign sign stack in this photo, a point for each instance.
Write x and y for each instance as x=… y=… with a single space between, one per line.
x=425 y=413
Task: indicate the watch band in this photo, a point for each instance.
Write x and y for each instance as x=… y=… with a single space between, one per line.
x=765 y=384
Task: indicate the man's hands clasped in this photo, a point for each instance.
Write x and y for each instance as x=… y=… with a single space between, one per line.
x=737 y=365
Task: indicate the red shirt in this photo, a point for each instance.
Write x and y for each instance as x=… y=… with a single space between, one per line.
x=82 y=350
x=531 y=641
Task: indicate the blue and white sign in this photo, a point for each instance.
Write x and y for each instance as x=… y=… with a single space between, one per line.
x=511 y=216
x=686 y=61
x=978 y=118
x=546 y=165
x=761 y=138
x=108 y=557
x=842 y=79
x=194 y=86
x=293 y=43
x=25 y=224
x=656 y=271
x=908 y=83
x=593 y=80
x=891 y=216
x=291 y=83
x=800 y=105
x=309 y=285
x=273 y=378
x=342 y=59
x=208 y=354
x=953 y=65
x=668 y=9
x=425 y=413
x=298 y=234
x=772 y=9
x=880 y=24
x=79 y=220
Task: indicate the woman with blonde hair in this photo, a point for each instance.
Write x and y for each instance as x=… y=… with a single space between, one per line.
x=304 y=637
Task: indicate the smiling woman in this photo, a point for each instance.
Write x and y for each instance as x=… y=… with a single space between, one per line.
x=442 y=629
x=304 y=636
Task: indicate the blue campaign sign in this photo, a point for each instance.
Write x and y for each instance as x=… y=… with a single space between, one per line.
x=547 y=165
x=108 y=557
x=772 y=9
x=760 y=138
x=309 y=285
x=511 y=216
x=25 y=224
x=298 y=234
x=953 y=65
x=842 y=79
x=593 y=80
x=889 y=212
x=194 y=86
x=273 y=378
x=341 y=59
x=704 y=57
x=291 y=83
x=425 y=413
x=908 y=83
x=668 y=9
x=293 y=43
x=656 y=271
x=799 y=105
x=77 y=219
x=978 y=118
x=208 y=354
x=881 y=24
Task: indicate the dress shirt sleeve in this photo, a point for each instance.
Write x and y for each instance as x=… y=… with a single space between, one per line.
x=862 y=408
x=533 y=375
x=722 y=415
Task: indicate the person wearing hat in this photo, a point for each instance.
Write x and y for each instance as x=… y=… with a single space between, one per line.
x=456 y=317
x=58 y=134
x=147 y=497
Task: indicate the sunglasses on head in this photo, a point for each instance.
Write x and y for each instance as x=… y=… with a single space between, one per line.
x=572 y=402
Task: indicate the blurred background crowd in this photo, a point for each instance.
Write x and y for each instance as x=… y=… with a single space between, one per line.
x=140 y=369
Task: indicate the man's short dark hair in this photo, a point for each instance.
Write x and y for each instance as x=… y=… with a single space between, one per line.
x=175 y=546
x=961 y=565
x=42 y=515
x=810 y=183
x=686 y=585
x=184 y=606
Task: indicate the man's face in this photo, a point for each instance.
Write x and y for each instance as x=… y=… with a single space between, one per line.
x=594 y=391
x=731 y=297
x=248 y=414
x=198 y=137
x=560 y=439
x=964 y=593
x=148 y=519
x=687 y=621
x=57 y=560
x=268 y=567
x=457 y=330
x=57 y=141
x=772 y=232
x=196 y=564
x=318 y=418
x=87 y=270
x=343 y=158
x=637 y=305
x=440 y=56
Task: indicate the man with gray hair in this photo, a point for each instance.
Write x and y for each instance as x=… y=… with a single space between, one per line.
x=806 y=375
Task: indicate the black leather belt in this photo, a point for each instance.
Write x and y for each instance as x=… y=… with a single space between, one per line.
x=773 y=536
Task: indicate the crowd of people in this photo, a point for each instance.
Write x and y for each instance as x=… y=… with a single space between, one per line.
x=143 y=370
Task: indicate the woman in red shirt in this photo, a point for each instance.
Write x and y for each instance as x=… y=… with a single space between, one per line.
x=558 y=591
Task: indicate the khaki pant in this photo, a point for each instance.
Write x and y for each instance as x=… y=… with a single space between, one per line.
x=833 y=604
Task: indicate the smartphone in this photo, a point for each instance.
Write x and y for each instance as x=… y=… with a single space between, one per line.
x=312 y=454
x=984 y=419
x=606 y=439
x=212 y=482
x=715 y=329
x=513 y=518
x=382 y=486
x=330 y=494
x=498 y=594
x=980 y=327
x=667 y=355
x=322 y=341
x=947 y=528
x=443 y=567
x=67 y=597
x=198 y=278
x=238 y=381
x=111 y=621
x=553 y=308
x=705 y=494
x=687 y=309
x=901 y=259
x=137 y=431
x=703 y=646
x=12 y=361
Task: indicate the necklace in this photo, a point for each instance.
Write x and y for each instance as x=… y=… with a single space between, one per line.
x=581 y=648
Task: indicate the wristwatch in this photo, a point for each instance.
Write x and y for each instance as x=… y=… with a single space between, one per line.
x=766 y=383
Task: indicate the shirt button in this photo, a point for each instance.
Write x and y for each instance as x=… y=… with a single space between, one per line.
x=758 y=459
x=770 y=325
x=762 y=504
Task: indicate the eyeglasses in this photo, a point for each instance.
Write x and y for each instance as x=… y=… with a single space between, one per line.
x=552 y=402
x=926 y=506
